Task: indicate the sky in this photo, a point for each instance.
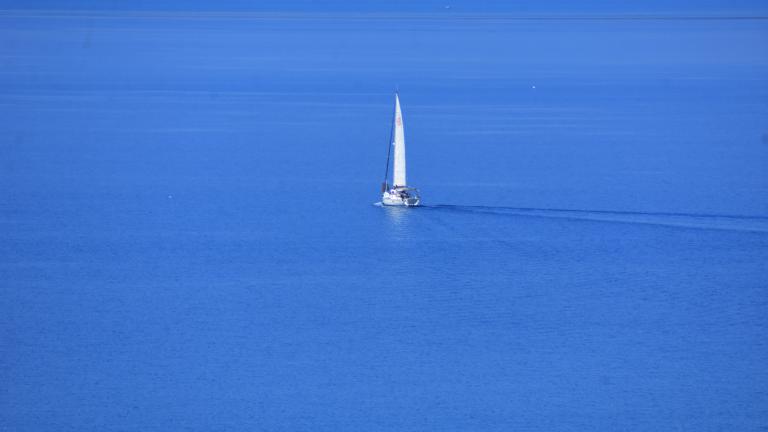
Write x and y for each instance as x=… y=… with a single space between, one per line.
x=706 y=7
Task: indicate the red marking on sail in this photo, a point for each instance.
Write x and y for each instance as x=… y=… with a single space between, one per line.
x=399 y=121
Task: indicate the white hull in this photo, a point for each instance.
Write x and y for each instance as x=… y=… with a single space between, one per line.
x=389 y=199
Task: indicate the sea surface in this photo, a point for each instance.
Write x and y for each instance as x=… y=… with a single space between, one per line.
x=189 y=241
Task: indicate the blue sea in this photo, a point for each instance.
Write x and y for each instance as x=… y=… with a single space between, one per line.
x=189 y=241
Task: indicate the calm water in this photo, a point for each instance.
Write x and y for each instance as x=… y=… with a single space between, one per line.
x=188 y=241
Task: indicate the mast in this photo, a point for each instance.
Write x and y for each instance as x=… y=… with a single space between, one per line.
x=384 y=185
x=399 y=144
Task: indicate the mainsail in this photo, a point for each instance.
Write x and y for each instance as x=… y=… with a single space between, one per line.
x=399 y=144
x=399 y=194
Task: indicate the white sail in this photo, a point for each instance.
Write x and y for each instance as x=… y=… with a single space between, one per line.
x=399 y=143
x=399 y=194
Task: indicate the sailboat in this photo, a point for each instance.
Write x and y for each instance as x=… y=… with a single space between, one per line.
x=399 y=194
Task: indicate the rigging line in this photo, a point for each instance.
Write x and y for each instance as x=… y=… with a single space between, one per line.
x=389 y=145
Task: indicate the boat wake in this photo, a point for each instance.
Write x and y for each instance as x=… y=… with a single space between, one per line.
x=683 y=220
